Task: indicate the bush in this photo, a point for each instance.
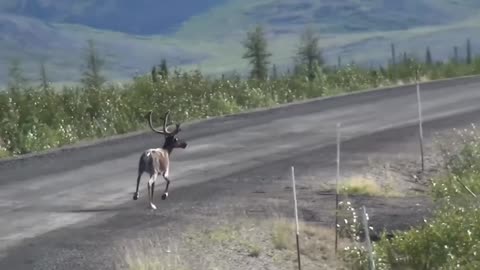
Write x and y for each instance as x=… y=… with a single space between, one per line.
x=38 y=118
x=450 y=239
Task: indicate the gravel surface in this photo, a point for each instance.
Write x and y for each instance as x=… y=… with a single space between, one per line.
x=234 y=169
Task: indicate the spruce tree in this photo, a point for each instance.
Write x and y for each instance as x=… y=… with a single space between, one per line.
x=428 y=57
x=257 y=53
x=274 y=72
x=154 y=74
x=43 y=76
x=469 y=52
x=309 y=53
x=164 y=69
x=92 y=76
x=392 y=48
x=455 y=54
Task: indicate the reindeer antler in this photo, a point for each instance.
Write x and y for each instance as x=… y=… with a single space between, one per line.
x=165 y=121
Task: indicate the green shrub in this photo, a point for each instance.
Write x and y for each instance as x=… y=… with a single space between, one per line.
x=34 y=118
x=450 y=238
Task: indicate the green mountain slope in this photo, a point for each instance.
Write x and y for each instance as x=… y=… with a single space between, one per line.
x=330 y=16
x=63 y=48
x=133 y=36
x=134 y=17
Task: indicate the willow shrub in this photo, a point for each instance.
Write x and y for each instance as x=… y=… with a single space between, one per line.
x=450 y=239
x=34 y=119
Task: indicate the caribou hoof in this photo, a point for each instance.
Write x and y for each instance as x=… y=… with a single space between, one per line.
x=135 y=196
x=153 y=206
x=164 y=196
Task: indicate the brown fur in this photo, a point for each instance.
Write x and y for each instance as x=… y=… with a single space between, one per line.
x=158 y=161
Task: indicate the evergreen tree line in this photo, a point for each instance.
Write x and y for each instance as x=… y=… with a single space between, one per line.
x=309 y=55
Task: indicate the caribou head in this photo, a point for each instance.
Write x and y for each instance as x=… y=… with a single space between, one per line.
x=171 y=141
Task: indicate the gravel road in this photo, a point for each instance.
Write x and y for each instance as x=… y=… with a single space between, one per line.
x=64 y=209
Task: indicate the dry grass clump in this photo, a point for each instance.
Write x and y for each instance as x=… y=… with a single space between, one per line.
x=365 y=186
x=316 y=242
x=234 y=237
x=240 y=244
x=150 y=254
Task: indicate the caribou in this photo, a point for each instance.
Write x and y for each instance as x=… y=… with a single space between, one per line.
x=156 y=161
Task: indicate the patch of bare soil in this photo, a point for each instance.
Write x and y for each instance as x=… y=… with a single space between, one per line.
x=239 y=243
x=402 y=173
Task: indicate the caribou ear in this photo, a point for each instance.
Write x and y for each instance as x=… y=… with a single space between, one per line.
x=178 y=129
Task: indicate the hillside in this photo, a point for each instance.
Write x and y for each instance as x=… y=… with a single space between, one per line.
x=143 y=17
x=133 y=37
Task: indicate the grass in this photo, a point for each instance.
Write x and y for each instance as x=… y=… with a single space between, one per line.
x=364 y=186
x=233 y=237
x=361 y=186
x=4 y=153
x=235 y=244
x=148 y=254
x=316 y=241
x=254 y=251
x=281 y=235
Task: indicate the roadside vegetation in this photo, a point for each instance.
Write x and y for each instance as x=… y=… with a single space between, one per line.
x=241 y=243
x=449 y=239
x=366 y=186
x=35 y=117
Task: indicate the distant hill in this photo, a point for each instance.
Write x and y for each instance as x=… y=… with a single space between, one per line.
x=134 y=35
x=142 y=17
x=146 y=17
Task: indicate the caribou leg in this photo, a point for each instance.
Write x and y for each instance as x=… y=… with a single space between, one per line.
x=135 y=195
x=165 y=193
x=151 y=186
x=153 y=189
x=141 y=169
x=149 y=193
